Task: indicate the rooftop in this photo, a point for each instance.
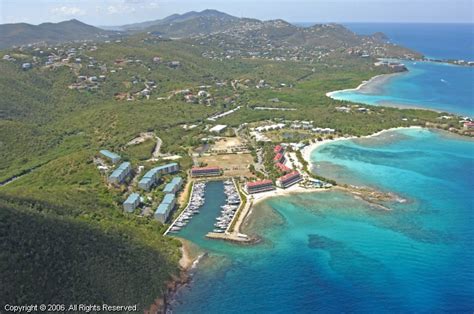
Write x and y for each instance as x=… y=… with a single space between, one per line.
x=162 y=208
x=289 y=176
x=205 y=168
x=109 y=154
x=258 y=183
x=168 y=198
x=132 y=198
x=123 y=166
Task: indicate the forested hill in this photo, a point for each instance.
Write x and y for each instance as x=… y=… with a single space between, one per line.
x=214 y=28
x=252 y=34
x=22 y=33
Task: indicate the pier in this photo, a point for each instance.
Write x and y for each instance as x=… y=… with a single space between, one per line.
x=232 y=233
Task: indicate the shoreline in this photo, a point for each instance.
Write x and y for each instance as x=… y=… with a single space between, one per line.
x=375 y=83
x=367 y=86
x=307 y=150
x=294 y=189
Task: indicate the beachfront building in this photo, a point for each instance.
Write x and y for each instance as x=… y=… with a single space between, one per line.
x=468 y=125
x=259 y=186
x=289 y=179
x=132 y=202
x=113 y=157
x=150 y=178
x=205 y=171
x=174 y=185
x=121 y=173
x=165 y=208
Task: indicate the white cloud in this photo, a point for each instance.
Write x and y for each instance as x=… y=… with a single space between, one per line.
x=68 y=11
x=120 y=9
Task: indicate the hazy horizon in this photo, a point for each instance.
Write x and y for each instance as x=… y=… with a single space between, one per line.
x=121 y=12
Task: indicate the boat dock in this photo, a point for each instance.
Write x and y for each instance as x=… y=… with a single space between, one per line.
x=196 y=200
x=232 y=231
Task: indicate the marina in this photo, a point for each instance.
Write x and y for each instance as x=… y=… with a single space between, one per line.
x=195 y=203
x=228 y=211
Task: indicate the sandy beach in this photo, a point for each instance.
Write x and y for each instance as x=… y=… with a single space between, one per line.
x=369 y=86
x=295 y=189
x=189 y=254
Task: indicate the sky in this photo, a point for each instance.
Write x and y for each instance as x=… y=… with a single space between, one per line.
x=120 y=12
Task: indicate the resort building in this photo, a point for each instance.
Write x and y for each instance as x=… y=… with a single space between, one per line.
x=279 y=158
x=121 y=173
x=150 y=178
x=282 y=168
x=165 y=208
x=168 y=168
x=113 y=157
x=289 y=179
x=469 y=125
x=132 y=202
x=259 y=186
x=278 y=149
x=174 y=185
x=205 y=171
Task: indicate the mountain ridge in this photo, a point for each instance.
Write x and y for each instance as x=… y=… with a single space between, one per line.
x=15 y=34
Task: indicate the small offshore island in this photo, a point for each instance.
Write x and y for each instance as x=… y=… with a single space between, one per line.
x=206 y=157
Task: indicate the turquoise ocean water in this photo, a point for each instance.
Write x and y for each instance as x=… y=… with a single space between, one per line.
x=330 y=252
x=437 y=86
x=428 y=85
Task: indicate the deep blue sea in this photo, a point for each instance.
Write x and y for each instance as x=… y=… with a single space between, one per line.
x=438 y=86
x=427 y=85
x=331 y=252
x=438 y=41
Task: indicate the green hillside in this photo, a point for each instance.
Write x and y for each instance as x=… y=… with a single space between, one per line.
x=22 y=33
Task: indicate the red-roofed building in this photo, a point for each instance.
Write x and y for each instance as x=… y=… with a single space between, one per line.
x=205 y=171
x=289 y=179
x=282 y=168
x=259 y=186
x=278 y=149
x=468 y=125
x=279 y=158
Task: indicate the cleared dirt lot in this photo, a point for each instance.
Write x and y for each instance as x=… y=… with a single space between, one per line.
x=232 y=164
x=228 y=144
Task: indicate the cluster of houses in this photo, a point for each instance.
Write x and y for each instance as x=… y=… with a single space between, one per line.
x=248 y=39
x=202 y=96
x=89 y=83
x=123 y=171
x=258 y=132
x=279 y=159
x=152 y=176
x=289 y=177
x=395 y=66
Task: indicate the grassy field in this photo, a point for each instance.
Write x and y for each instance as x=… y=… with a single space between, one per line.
x=232 y=164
